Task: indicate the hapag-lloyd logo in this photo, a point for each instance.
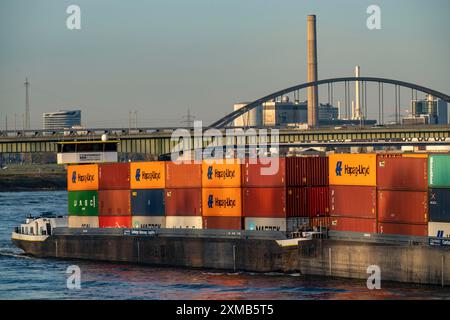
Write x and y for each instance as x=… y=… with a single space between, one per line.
x=84 y=178
x=152 y=175
x=352 y=170
x=221 y=174
x=221 y=203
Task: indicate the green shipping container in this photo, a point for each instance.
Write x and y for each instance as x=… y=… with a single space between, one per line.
x=439 y=171
x=83 y=203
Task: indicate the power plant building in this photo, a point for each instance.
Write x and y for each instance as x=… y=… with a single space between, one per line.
x=434 y=110
x=61 y=119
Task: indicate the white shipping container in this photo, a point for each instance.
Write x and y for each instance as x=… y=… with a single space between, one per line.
x=265 y=224
x=439 y=229
x=83 y=222
x=184 y=222
x=148 y=222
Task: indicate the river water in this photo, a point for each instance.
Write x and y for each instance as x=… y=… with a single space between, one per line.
x=24 y=277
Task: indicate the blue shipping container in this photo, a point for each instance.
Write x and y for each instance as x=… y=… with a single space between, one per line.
x=149 y=202
x=439 y=204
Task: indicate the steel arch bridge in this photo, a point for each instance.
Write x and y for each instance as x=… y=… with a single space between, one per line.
x=235 y=114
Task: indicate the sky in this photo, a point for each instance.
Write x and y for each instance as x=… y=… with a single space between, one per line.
x=161 y=58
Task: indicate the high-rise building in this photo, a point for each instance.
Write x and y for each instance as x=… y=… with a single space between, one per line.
x=61 y=119
x=434 y=109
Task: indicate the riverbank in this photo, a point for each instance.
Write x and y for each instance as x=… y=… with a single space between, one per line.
x=32 y=178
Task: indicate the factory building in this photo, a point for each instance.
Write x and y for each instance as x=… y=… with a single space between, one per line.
x=427 y=111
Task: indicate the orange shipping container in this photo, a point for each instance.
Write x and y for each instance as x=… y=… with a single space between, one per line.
x=183 y=175
x=353 y=169
x=415 y=155
x=82 y=177
x=221 y=175
x=222 y=202
x=147 y=175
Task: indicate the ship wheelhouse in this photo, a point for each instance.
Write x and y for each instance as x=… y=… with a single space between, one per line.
x=70 y=152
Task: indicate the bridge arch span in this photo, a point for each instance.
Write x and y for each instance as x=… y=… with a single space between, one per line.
x=235 y=114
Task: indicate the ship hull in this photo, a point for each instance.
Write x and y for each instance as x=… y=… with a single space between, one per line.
x=210 y=253
x=329 y=258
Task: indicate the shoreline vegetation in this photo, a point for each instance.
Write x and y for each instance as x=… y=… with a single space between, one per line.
x=32 y=177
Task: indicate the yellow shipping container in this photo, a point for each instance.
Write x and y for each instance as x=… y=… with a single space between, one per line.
x=148 y=175
x=353 y=169
x=221 y=202
x=82 y=177
x=415 y=155
x=221 y=175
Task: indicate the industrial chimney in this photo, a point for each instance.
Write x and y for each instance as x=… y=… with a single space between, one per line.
x=312 y=71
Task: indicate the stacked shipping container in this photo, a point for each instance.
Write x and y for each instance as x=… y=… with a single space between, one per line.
x=114 y=195
x=402 y=195
x=82 y=187
x=147 y=183
x=353 y=203
x=439 y=195
x=221 y=195
x=183 y=195
x=264 y=194
x=307 y=190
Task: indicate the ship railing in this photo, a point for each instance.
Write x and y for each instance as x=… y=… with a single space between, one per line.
x=166 y=232
x=391 y=239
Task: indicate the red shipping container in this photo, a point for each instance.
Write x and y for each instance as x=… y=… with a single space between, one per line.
x=264 y=202
x=353 y=224
x=402 y=173
x=255 y=175
x=228 y=223
x=306 y=171
x=420 y=230
x=353 y=201
x=114 y=176
x=114 y=222
x=114 y=203
x=307 y=202
x=184 y=175
x=183 y=202
x=403 y=206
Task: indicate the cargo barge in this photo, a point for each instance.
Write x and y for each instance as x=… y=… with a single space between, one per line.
x=333 y=216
